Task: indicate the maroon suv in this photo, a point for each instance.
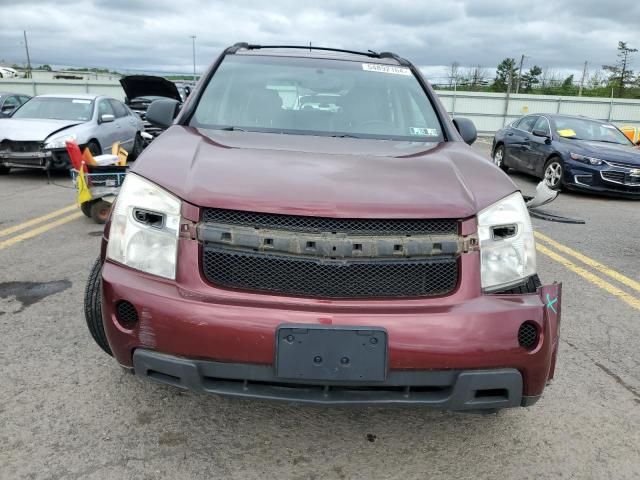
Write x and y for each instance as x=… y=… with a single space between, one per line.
x=314 y=228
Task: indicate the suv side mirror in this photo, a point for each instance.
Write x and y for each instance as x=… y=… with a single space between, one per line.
x=106 y=118
x=467 y=129
x=161 y=112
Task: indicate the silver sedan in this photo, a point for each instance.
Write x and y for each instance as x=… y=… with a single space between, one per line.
x=35 y=135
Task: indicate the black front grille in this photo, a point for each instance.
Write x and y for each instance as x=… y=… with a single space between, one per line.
x=329 y=278
x=353 y=226
x=19 y=147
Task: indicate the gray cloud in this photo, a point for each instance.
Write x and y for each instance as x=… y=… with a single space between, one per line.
x=153 y=35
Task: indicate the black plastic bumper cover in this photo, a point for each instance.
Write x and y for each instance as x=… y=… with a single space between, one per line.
x=444 y=389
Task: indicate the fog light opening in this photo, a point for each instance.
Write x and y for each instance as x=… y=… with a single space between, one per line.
x=126 y=314
x=528 y=336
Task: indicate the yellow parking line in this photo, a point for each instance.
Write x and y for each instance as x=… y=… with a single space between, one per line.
x=612 y=289
x=39 y=230
x=34 y=221
x=591 y=262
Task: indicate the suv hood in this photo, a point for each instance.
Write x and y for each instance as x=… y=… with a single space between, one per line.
x=322 y=176
x=32 y=129
x=148 y=85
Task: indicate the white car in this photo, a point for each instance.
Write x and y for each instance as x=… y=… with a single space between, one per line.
x=35 y=134
x=6 y=72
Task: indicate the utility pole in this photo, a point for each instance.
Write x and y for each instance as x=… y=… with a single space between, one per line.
x=506 y=99
x=520 y=73
x=193 y=41
x=26 y=46
x=584 y=75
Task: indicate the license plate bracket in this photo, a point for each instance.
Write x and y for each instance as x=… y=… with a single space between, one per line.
x=331 y=353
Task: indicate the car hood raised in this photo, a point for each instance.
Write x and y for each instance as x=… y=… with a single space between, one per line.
x=629 y=154
x=32 y=129
x=322 y=176
x=135 y=86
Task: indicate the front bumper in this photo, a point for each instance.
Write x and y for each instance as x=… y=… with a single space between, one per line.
x=38 y=160
x=604 y=179
x=466 y=331
x=445 y=389
x=42 y=160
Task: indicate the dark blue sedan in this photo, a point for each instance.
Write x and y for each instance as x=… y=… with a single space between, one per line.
x=577 y=153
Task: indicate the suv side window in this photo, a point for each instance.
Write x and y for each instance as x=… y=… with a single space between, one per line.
x=543 y=124
x=24 y=99
x=118 y=108
x=527 y=123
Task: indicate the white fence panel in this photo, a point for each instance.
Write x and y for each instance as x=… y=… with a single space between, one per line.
x=489 y=111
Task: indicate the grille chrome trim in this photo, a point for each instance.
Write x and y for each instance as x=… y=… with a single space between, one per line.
x=616 y=176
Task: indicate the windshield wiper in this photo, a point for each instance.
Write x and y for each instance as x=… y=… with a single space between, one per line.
x=233 y=129
x=344 y=135
x=609 y=141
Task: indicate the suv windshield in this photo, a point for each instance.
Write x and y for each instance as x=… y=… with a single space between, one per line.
x=52 y=108
x=317 y=97
x=579 y=129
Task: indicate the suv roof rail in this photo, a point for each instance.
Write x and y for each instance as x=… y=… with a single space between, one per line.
x=397 y=58
x=368 y=53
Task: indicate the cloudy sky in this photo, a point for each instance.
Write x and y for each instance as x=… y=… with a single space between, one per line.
x=153 y=35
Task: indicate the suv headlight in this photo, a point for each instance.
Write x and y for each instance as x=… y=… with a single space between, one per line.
x=59 y=142
x=507 y=246
x=145 y=224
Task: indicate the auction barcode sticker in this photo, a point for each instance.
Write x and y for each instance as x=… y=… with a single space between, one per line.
x=376 y=67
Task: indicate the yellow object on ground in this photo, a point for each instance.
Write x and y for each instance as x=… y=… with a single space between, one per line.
x=122 y=155
x=88 y=157
x=120 y=152
x=84 y=194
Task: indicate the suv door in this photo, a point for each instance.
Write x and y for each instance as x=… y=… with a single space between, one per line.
x=126 y=125
x=537 y=149
x=517 y=142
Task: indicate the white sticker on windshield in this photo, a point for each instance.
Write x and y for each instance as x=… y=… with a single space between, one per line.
x=608 y=126
x=428 y=132
x=376 y=67
x=77 y=100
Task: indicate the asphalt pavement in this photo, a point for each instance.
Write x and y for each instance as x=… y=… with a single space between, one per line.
x=68 y=411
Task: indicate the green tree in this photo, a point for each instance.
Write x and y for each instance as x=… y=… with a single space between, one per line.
x=567 y=85
x=46 y=67
x=506 y=74
x=621 y=74
x=531 y=78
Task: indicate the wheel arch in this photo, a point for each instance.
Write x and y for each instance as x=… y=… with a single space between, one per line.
x=96 y=141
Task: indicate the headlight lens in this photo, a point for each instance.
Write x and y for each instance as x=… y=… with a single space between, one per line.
x=59 y=142
x=585 y=159
x=145 y=224
x=507 y=246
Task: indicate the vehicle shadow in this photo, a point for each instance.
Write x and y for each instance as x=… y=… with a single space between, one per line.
x=320 y=440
